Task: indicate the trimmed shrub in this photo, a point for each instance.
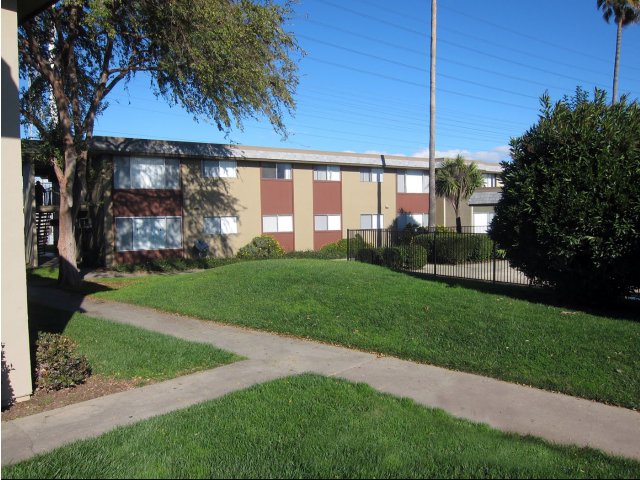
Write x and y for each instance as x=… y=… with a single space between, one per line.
x=356 y=244
x=392 y=257
x=338 y=249
x=415 y=257
x=569 y=215
x=370 y=255
x=264 y=246
x=481 y=248
x=313 y=254
x=58 y=365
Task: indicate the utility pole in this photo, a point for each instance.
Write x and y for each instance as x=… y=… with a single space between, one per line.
x=432 y=122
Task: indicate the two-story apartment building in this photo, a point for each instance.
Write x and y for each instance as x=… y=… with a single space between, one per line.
x=161 y=197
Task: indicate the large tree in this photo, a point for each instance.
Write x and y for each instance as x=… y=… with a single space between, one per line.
x=224 y=60
x=457 y=180
x=624 y=12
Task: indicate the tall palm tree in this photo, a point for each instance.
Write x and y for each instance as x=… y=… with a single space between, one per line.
x=432 y=121
x=457 y=180
x=624 y=12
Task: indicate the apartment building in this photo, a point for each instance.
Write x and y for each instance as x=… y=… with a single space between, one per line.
x=161 y=197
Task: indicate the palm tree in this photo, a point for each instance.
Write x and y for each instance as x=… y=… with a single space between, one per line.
x=432 y=121
x=624 y=12
x=457 y=180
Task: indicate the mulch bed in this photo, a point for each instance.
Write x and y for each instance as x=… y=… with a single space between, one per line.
x=41 y=401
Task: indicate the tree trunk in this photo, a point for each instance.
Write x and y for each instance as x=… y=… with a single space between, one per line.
x=458 y=225
x=616 y=64
x=432 y=121
x=68 y=273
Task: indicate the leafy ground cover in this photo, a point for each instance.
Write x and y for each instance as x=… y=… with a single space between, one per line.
x=595 y=355
x=315 y=427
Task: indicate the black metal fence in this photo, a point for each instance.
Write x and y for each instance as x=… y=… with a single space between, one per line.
x=443 y=253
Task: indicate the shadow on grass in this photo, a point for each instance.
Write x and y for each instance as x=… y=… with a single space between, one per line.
x=624 y=309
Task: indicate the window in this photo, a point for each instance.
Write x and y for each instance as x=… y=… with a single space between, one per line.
x=220 y=225
x=146 y=172
x=371 y=221
x=489 y=179
x=482 y=217
x=276 y=171
x=148 y=233
x=219 y=168
x=277 y=223
x=418 y=219
x=371 y=175
x=413 y=181
x=327 y=222
x=328 y=173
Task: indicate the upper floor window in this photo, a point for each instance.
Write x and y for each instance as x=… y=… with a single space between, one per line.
x=490 y=179
x=413 y=181
x=371 y=175
x=147 y=172
x=277 y=171
x=219 y=168
x=329 y=173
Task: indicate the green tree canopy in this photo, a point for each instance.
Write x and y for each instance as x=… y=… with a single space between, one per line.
x=457 y=180
x=222 y=60
x=569 y=216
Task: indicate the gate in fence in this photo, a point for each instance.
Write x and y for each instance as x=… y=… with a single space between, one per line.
x=442 y=253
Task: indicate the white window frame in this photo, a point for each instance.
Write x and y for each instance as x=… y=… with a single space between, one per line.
x=331 y=173
x=125 y=180
x=219 y=168
x=226 y=225
x=372 y=175
x=402 y=181
x=135 y=242
x=379 y=220
x=330 y=222
x=490 y=180
x=288 y=170
x=282 y=223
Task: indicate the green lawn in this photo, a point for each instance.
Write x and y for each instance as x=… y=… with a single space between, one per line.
x=372 y=308
x=125 y=352
x=315 y=427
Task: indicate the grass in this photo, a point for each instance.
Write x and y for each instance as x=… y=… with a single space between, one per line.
x=583 y=354
x=315 y=427
x=124 y=352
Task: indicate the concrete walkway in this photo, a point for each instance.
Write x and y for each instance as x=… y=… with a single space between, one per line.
x=505 y=406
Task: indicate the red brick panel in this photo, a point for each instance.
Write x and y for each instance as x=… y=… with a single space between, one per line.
x=276 y=197
x=147 y=203
x=327 y=197
x=320 y=239
x=142 y=255
x=412 y=202
x=286 y=240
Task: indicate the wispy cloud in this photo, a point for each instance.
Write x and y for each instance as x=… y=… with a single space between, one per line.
x=494 y=155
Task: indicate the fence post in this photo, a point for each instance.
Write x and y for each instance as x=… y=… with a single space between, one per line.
x=494 y=261
x=348 y=245
x=435 y=256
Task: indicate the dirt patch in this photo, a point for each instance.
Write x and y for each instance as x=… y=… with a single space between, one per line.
x=96 y=386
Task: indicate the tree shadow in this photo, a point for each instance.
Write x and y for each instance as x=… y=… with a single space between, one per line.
x=624 y=309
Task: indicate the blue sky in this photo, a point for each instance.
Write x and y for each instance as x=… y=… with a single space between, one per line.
x=364 y=82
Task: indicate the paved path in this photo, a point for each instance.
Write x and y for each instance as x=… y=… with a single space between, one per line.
x=508 y=407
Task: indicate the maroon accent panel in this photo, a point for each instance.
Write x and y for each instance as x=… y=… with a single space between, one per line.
x=412 y=202
x=144 y=255
x=276 y=197
x=286 y=240
x=147 y=203
x=327 y=197
x=320 y=239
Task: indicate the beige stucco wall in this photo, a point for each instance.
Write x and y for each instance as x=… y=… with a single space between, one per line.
x=367 y=198
x=205 y=197
x=16 y=363
x=303 y=206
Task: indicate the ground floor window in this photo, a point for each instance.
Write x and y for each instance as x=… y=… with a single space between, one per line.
x=148 y=233
x=482 y=217
x=371 y=221
x=327 y=223
x=277 y=223
x=220 y=225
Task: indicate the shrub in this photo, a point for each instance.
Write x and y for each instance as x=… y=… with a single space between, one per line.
x=58 y=365
x=264 y=246
x=393 y=257
x=569 y=216
x=480 y=247
x=319 y=255
x=415 y=257
x=339 y=248
x=356 y=244
x=369 y=255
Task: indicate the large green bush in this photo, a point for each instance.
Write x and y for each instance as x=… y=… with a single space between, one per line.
x=264 y=246
x=338 y=249
x=370 y=255
x=569 y=216
x=58 y=365
x=453 y=248
x=414 y=256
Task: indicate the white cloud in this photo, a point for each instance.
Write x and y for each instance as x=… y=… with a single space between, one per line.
x=494 y=155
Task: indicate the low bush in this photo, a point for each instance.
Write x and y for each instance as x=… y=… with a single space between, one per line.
x=356 y=244
x=320 y=255
x=264 y=246
x=369 y=255
x=415 y=257
x=58 y=365
x=393 y=257
x=339 y=248
x=454 y=248
x=481 y=248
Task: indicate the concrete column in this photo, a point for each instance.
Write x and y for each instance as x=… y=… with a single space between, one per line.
x=16 y=364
